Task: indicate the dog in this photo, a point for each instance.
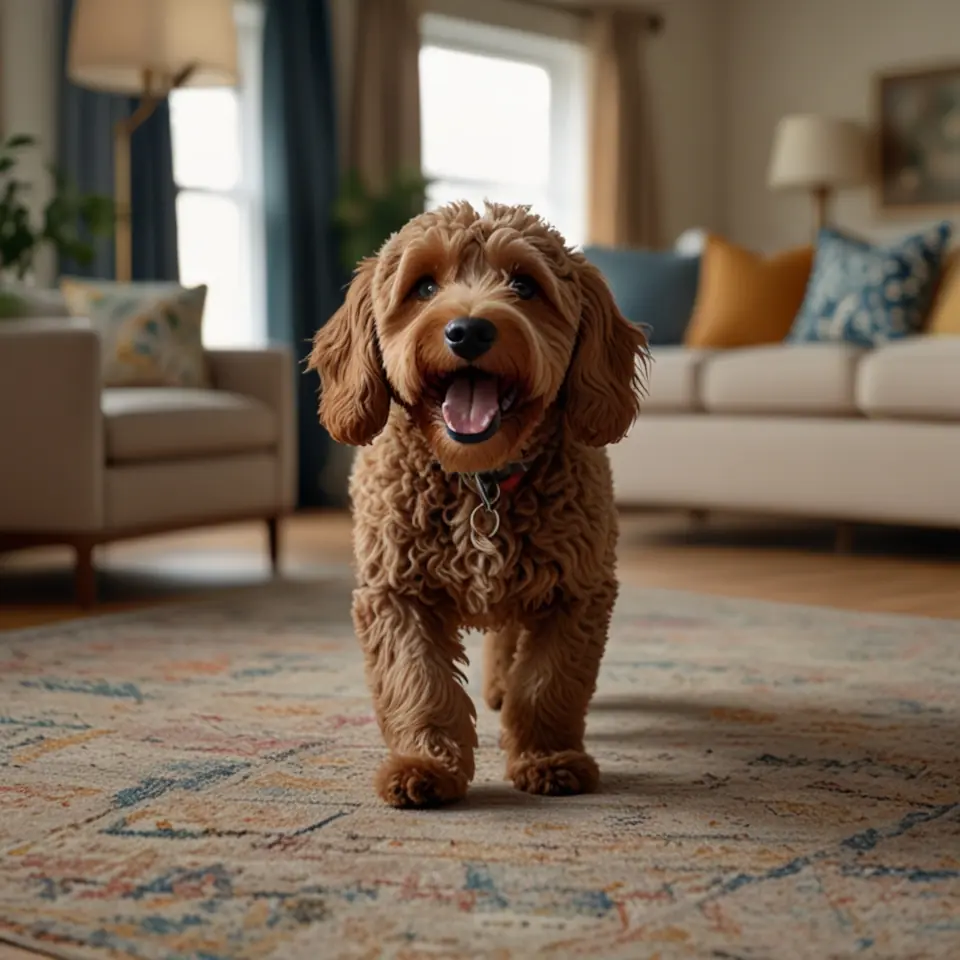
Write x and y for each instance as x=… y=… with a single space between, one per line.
x=482 y=366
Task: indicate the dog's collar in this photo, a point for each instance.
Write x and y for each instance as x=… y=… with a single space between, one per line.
x=491 y=483
x=489 y=486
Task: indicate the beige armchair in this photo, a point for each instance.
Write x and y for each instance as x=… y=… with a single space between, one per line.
x=83 y=466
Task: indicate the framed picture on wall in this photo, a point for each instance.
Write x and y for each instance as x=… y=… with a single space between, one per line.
x=919 y=139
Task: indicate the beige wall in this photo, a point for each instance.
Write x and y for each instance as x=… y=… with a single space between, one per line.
x=785 y=56
x=29 y=36
x=684 y=73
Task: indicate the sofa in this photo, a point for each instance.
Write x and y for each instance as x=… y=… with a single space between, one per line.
x=86 y=464
x=818 y=382
x=828 y=430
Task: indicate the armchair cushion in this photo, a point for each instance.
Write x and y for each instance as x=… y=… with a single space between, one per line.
x=143 y=424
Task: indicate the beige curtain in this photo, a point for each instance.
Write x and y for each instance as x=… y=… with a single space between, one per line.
x=623 y=191
x=384 y=129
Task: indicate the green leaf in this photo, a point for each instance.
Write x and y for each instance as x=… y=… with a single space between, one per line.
x=20 y=140
x=70 y=221
x=364 y=219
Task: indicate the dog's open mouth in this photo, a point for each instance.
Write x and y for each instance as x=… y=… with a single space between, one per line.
x=473 y=405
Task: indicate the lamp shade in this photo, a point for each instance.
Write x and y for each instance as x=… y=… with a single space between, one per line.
x=811 y=151
x=113 y=42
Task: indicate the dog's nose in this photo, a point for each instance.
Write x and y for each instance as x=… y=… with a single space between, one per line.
x=470 y=337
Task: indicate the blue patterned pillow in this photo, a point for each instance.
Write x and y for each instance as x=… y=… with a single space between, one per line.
x=867 y=294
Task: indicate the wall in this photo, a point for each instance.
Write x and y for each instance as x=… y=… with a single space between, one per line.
x=784 y=56
x=29 y=40
x=682 y=65
x=684 y=75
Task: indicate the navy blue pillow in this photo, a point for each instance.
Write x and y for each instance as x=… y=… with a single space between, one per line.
x=654 y=287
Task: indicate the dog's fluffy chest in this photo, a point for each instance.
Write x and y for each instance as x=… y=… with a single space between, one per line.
x=417 y=528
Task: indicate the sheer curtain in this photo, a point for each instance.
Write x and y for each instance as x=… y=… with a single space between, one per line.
x=384 y=122
x=623 y=209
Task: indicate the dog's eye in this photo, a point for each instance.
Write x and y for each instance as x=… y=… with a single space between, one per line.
x=523 y=286
x=426 y=288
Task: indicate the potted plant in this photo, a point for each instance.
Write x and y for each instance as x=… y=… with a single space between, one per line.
x=365 y=218
x=70 y=222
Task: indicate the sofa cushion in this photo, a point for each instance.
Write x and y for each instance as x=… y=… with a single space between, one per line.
x=868 y=294
x=653 y=287
x=803 y=379
x=745 y=299
x=674 y=379
x=169 y=423
x=915 y=379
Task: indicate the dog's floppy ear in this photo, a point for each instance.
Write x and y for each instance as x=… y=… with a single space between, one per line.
x=604 y=381
x=354 y=397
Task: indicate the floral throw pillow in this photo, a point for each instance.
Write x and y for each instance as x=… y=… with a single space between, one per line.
x=150 y=333
x=867 y=294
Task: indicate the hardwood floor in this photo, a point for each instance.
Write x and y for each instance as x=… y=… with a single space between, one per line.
x=897 y=571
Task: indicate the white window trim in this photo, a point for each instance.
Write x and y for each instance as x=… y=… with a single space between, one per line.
x=565 y=61
x=248 y=193
x=249 y=15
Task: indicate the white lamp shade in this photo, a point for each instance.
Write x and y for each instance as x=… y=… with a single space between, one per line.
x=113 y=43
x=812 y=151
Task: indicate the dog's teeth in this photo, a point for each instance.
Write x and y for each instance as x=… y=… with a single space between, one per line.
x=507 y=402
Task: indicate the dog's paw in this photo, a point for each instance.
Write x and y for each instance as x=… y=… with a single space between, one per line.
x=493 y=694
x=408 y=782
x=555 y=774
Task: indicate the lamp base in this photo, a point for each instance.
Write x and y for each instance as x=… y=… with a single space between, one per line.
x=122 y=133
x=821 y=206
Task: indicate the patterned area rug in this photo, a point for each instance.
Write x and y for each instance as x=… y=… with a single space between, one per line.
x=194 y=782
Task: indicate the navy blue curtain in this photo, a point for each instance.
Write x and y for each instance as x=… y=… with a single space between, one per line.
x=86 y=126
x=304 y=280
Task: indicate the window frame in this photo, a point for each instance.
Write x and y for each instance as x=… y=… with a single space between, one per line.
x=247 y=193
x=566 y=64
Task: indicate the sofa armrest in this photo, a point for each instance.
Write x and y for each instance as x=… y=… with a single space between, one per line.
x=265 y=374
x=51 y=428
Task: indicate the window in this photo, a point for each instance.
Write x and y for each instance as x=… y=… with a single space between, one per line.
x=218 y=171
x=503 y=119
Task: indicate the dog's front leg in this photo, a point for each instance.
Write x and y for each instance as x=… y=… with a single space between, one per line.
x=413 y=656
x=548 y=692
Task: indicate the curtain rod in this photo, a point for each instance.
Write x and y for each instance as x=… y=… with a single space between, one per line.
x=654 y=22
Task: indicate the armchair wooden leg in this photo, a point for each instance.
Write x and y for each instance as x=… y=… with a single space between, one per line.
x=273 y=536
x=843 y=538
x=85 y=575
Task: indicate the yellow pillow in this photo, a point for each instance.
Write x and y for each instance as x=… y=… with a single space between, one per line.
x=944 y=319
x=745 y=299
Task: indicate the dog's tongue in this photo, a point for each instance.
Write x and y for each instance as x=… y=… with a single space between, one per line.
x=471 y=404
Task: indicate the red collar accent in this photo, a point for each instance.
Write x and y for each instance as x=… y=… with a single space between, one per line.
x=506 y=480
x=512 y=482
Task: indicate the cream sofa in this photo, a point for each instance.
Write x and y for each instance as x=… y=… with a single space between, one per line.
x=826 y=431
x=84 y=465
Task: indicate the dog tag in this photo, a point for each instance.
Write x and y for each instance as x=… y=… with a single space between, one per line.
x=480 y=538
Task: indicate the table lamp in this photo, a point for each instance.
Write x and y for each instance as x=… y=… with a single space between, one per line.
x=146 y=49
x=818 y=154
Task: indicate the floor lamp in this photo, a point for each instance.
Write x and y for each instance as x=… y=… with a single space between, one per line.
x=146 y=49
x=818 y=154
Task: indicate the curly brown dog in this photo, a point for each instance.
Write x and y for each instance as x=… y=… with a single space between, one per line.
x=483 y=366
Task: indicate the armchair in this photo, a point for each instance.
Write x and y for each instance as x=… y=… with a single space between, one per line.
x=84 y=465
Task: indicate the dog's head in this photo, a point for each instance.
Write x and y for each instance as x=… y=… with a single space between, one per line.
x=478 y=325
